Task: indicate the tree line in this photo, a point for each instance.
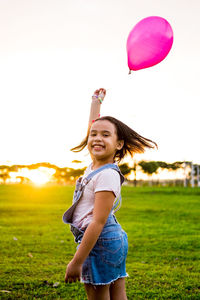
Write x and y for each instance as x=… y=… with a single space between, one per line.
x=66 y=174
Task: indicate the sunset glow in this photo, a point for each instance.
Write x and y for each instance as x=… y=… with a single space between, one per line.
x=38 y=176
x=41 y=175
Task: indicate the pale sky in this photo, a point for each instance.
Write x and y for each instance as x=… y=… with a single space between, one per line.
x=55 y=53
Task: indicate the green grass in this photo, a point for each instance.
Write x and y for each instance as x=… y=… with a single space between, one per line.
x=164 y=243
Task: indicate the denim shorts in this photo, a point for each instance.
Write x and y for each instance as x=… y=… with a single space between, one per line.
x=107 y=260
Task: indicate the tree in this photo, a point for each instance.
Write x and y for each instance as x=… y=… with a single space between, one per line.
x=76 y=172
x=125 y=169
x=67 y=174
x=135 y=173
x=149 y=167
x=4 y=177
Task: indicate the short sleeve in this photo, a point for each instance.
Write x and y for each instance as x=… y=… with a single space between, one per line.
x=107 y=180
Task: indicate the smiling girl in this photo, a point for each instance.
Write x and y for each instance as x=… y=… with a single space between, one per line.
x=100 y=259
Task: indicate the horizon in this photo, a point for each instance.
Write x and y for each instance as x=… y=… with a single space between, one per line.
x=44 y=174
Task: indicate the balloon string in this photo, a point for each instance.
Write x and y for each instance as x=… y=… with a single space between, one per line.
x=129 y=72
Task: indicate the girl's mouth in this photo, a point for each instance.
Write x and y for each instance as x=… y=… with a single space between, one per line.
x=98 y=147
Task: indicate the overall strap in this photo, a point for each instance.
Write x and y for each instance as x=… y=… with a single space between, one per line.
x=107 y=166
x=118 y=202
x=67 y=217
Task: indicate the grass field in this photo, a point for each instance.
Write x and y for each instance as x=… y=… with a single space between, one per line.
x=163 y=227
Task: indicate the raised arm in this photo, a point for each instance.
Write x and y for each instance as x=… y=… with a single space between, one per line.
x=97 y=99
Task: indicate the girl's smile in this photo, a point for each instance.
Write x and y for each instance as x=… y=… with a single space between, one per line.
x=97 y=147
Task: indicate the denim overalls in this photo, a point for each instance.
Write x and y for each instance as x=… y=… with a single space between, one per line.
x=68 y=215
x=112 y=265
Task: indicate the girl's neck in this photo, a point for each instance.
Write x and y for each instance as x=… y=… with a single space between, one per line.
x=98 y=163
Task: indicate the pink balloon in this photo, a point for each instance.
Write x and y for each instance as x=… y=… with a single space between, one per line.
x=148 y=43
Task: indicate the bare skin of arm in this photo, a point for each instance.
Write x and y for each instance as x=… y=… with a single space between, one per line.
x=96 y=105
x=103 y=204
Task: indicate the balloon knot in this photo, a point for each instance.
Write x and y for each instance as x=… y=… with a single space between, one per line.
x=129 y=72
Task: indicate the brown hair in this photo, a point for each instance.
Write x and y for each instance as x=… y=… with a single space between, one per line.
x=133 y=142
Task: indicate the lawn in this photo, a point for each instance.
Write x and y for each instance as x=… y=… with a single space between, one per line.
x=163 y=227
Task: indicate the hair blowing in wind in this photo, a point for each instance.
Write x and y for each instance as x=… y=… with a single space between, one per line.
x=133 y=142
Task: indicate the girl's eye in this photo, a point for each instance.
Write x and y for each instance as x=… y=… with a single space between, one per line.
x=104 y=134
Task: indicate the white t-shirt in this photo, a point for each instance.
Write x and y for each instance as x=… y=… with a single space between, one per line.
x=106 y=180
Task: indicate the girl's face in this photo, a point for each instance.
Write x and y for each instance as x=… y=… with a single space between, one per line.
x=103 y=141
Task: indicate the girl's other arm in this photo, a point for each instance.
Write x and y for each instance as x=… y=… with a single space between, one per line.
x=96 y=105
x=103 y=204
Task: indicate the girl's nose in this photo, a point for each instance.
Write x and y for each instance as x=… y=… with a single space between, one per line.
x=97 y=138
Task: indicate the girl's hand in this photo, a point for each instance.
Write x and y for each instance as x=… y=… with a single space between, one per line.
x=73 y=272
x=99 y=93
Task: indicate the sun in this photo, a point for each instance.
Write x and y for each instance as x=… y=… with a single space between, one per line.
x=41 y=175
x=38 y=177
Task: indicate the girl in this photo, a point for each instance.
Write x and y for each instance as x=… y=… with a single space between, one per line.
x=102 y=244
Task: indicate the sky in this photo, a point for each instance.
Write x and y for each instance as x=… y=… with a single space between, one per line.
x=55 y=53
